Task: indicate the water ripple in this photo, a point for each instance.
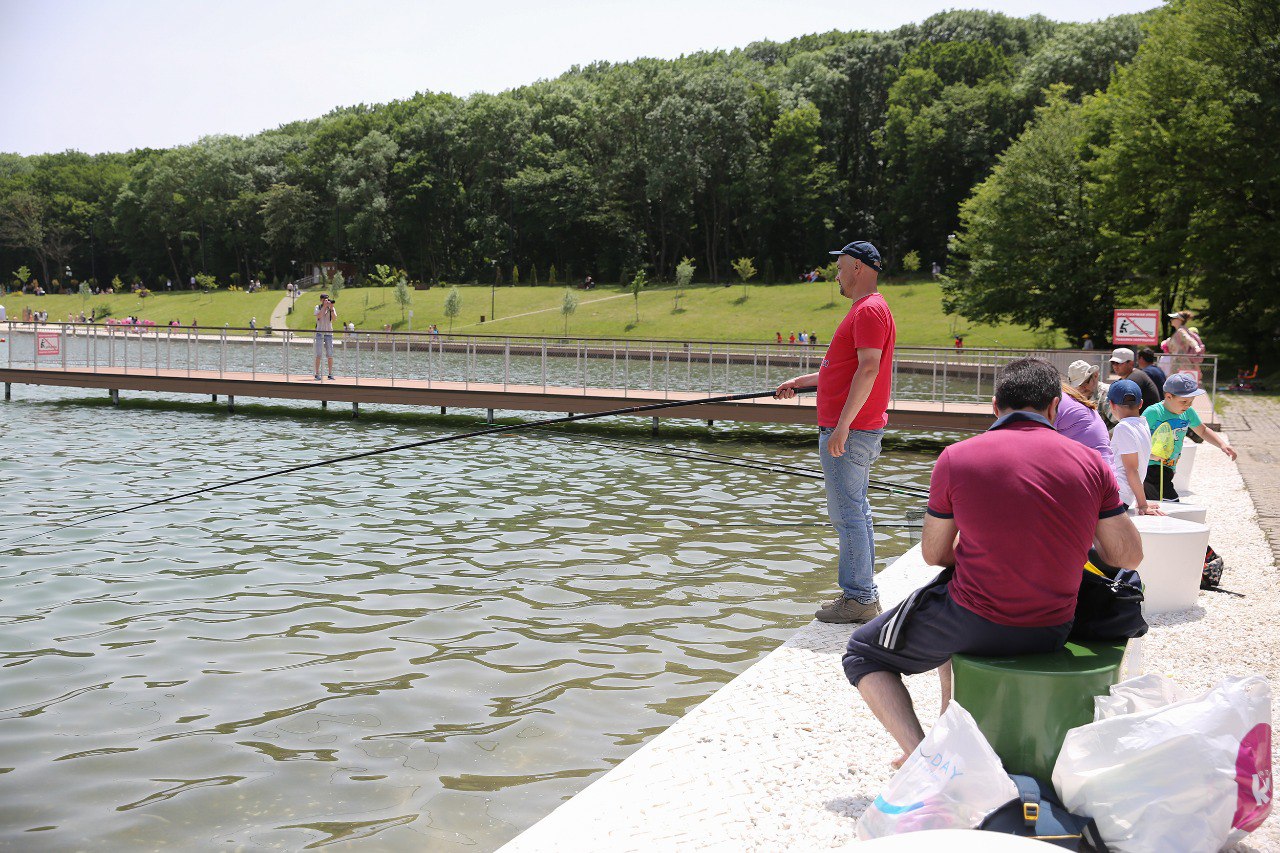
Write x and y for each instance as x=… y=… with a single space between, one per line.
x=429 y=649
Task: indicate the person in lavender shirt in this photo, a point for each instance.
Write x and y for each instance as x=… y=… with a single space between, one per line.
x=1078 y=420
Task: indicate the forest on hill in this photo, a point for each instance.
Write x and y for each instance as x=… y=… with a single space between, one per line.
x=1052 y=168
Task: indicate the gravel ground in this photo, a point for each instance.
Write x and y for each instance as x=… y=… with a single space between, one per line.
x=786 y=756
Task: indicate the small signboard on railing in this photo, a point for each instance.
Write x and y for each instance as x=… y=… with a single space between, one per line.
x=1136 y=326
x=48 y=343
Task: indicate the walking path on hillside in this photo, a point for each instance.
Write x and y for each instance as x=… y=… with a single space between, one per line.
x=1254 y=427
x=544 y=311
x=279 y=317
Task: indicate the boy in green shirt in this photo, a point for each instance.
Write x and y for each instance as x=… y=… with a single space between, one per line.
x=1180 y=391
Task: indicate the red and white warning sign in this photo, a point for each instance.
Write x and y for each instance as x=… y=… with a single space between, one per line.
x=1136 y=326
x=47 y=343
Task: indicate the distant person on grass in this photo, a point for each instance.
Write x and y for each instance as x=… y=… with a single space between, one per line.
x=325 y=313
x=853 y=398
x=1012 y=513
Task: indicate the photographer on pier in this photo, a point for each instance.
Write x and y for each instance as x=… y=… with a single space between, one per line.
x=325 y=313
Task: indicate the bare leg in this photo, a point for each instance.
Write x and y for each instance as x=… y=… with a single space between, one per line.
x=330 y=365
x=888 y=699
x=944 y=677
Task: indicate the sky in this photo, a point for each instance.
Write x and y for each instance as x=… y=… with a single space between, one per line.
x=112 y=75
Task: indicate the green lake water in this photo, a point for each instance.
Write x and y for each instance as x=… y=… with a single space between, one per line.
x=426 y=650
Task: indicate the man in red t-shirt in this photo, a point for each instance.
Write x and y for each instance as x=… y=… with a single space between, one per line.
x=853 y=400
x=1014 y=511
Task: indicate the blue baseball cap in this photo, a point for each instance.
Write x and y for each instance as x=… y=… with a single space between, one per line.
x=863 y=251
x=1124 y=392
x=1182 y=385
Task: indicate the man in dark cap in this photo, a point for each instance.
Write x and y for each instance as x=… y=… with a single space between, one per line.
x=853 y=398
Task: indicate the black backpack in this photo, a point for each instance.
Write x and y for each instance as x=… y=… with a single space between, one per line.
x=1038 y=814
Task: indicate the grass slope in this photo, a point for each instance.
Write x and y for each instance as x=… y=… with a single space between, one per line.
x=706 y=312
x=210 y=309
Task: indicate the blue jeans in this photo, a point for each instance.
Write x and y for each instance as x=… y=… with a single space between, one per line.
x=850 y=511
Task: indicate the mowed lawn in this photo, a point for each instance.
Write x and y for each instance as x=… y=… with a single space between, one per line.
x=210 y=310
x=706 y=312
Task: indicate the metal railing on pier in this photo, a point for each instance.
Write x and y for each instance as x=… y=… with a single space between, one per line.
x=939 y=374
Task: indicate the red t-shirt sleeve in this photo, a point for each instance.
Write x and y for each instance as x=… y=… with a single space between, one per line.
x=870 y=328
x=940 y=488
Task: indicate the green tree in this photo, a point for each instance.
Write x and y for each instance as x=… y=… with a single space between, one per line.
x=1188 y=177
x=567 y=306
x=404 y=295
x=336 y=283
x=452 y=305
x=831 y=274
x=684 y=278
x=361 y=180
x=638 y=284
x=911 y=261
x=515 y=274
x=1029 y=249
x=551 y=275
x=85 y=293
x=21 y=276
x=745 y=269
x=1082 y=56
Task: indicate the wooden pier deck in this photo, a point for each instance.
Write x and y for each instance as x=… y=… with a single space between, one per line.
x=903 y=414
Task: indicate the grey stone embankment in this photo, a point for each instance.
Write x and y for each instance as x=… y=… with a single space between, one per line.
x=786 y=756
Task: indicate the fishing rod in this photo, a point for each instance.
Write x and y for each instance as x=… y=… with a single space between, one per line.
x=631 y=410
x=739 y=462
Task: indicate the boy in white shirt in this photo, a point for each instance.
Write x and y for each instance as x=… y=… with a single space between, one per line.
x=1130 y=445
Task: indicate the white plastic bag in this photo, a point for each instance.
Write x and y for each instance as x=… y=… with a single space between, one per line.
x=952 y=781
x=1144 y=693
x=1191 y=775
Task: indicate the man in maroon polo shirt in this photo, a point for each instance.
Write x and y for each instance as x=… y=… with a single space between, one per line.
x=1014 y=511
x=853 y=399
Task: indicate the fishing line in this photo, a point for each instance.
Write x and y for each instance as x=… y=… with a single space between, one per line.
x=739 y=462
x=650 y=407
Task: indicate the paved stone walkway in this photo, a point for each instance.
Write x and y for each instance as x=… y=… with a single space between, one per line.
x=1253 y=427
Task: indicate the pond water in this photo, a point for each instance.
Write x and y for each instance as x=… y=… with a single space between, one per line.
x=421 y=650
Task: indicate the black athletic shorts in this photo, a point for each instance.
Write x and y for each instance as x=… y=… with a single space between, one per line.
x=931 y=629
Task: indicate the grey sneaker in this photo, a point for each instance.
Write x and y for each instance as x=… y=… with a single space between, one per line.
x=847 y=611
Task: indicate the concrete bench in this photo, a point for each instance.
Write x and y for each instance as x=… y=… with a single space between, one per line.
x=1172 y=562
x=1025 y=704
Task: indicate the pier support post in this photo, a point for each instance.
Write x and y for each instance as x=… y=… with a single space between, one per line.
x=490 y=415
x=710 y=424
x=6 y=390
x=324 y=404
x=213 y=398
x=355 y=410
x=655 y=424
x=443 y=410
x=115 y=396
x=231 y=404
